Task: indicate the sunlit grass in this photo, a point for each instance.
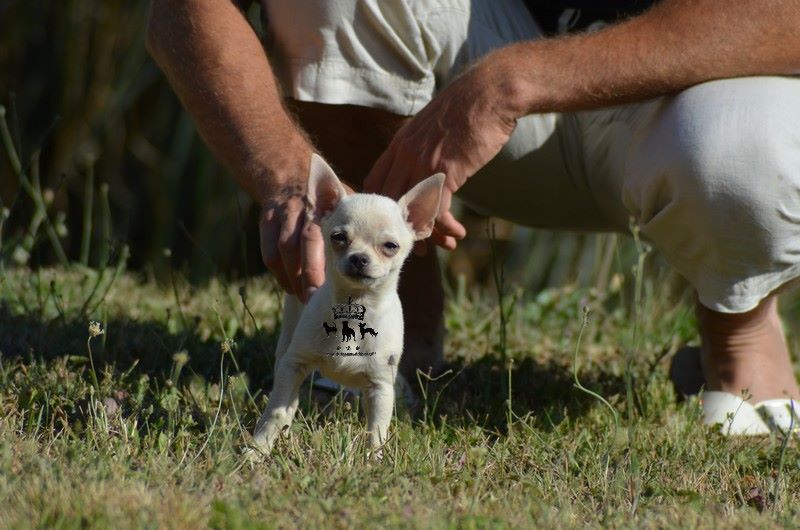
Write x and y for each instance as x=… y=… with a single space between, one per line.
x=158 y=440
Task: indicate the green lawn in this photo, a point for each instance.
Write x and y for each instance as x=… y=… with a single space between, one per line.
x=156 y=438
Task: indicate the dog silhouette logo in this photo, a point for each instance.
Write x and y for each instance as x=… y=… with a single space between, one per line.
x=348 y=333
x=329 y=329
x=362 y=327
x=346 y=313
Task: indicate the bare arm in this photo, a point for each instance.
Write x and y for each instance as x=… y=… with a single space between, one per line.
x=217 y=66
x=675 y=45
x=215 y=62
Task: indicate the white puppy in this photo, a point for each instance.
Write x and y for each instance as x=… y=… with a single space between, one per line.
x=352 y=328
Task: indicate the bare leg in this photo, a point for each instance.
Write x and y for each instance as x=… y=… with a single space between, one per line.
x=351 y=138
x=423 y=305
x=282 y=403
x=747 y=352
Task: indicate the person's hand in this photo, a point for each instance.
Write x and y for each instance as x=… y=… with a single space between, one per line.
x=457 y=133
x=291 y=245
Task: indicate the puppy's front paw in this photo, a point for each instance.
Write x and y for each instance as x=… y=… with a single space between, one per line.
x=254 y=455
x=257 y=449
x=376 y=446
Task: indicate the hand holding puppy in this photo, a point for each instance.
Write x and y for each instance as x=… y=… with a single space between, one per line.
x=457 y=133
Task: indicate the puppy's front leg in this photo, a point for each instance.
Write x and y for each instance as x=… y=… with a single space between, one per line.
x=379 y=406
x=282 y=402
x=292 y=309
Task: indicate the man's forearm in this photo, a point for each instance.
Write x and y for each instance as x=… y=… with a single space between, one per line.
x=218 y=68
x=677 y=44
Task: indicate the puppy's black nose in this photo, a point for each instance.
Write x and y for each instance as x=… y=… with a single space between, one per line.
x=359 y=261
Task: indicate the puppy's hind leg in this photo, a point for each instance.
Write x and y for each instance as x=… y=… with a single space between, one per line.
x=282 y=402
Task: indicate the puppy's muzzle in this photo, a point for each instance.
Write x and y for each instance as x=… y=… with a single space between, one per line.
x=357 y=265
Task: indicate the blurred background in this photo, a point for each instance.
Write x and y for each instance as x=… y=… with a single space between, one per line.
x=112 y=167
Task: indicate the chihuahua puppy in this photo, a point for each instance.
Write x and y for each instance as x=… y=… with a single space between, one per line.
x=351 y=330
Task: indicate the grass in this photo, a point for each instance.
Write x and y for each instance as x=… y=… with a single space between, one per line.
x=153 y=436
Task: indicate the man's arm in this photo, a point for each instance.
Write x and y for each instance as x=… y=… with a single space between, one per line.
x=677 y=44
x=217 y=66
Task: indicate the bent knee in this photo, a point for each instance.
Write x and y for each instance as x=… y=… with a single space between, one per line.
x=724 y=151
x=713 y=179
x=737 y=139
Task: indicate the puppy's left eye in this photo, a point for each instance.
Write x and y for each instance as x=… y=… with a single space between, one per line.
x=390 y=247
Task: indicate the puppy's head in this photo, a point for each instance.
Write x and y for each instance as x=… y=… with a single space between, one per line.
x=367 y=237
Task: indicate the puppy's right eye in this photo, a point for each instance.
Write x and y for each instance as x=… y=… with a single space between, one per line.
x=339 y=237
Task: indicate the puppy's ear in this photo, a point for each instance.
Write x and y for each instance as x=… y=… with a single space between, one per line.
x=325 y=190
x=421 y=205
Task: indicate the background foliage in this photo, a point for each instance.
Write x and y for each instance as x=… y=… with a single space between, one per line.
x=79 y=86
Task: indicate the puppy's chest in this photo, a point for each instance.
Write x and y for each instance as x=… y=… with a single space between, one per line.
x=344 y=339
x=349 y=340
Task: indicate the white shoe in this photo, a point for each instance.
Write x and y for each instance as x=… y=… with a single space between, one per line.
x=739 y=417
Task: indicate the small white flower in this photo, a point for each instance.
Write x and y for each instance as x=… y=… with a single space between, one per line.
x=180 y=358
x=95 y=328
x=227 y=345
x=20 y=256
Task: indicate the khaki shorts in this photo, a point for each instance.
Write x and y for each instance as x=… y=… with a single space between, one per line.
x=711 y=175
